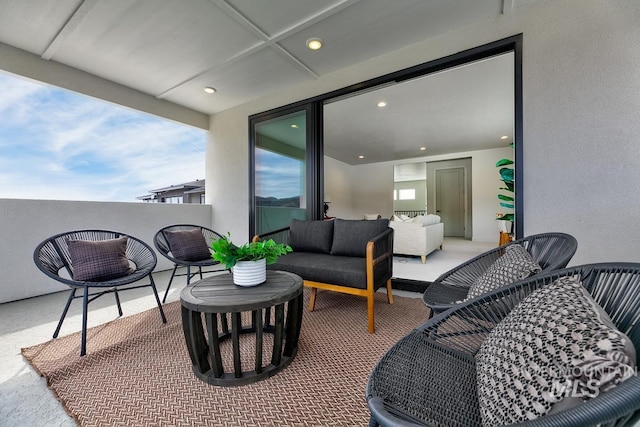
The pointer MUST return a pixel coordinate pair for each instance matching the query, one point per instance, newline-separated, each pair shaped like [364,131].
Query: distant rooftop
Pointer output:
[186,188]
[187,185]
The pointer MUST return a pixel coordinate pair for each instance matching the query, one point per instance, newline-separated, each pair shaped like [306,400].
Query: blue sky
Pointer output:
[277,175]
[57,144]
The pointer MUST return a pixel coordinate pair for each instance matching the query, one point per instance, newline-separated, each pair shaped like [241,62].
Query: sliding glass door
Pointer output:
[280,173]
[288,144]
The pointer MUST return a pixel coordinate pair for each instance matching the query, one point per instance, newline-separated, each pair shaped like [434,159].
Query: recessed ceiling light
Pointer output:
[294,126]
[382,104]
[423,148]
[504,137]
[314,43]
[209,89]
[361,157]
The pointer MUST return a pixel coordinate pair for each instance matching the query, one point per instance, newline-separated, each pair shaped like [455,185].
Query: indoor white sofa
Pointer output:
[417,236]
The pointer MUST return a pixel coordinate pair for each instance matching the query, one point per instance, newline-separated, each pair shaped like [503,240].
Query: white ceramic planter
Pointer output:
[250,273]
[504,226]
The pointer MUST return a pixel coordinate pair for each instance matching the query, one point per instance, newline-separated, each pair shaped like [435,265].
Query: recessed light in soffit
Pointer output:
[314,43]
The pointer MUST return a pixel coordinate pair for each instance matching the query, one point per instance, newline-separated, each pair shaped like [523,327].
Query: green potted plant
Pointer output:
[248,262]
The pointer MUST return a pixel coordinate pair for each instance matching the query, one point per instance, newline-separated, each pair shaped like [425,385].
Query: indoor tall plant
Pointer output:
[248,262]
[506,200]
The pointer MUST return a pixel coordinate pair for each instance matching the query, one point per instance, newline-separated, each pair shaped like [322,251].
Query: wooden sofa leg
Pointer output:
[389,292]
[423,258]
[312,299]
[370,300]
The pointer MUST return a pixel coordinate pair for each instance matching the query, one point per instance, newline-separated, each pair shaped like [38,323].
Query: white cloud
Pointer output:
[55,144]
[277,175]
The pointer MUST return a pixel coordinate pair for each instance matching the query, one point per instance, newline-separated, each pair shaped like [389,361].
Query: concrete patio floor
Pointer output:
[25,399]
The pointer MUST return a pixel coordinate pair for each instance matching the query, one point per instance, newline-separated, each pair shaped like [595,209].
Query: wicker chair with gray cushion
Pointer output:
[96,262]
[557,349]
[550,251]
[186,245]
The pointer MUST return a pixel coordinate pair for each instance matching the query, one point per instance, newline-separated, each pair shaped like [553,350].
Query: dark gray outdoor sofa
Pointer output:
[349,256]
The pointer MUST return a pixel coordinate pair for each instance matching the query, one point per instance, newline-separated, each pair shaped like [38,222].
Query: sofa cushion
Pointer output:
[514,264]
[426,220]
[418,219]
[556,349]
[97,261]
[324,268]
[188,245]
[311,236]
[431,219]
[350,237]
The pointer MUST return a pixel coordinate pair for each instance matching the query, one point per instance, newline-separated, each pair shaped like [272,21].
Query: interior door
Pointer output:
[450,200]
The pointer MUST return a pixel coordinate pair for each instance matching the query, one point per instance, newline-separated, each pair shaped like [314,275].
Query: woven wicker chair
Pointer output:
[53,259]
[551,251]
[429,376]
[162,245]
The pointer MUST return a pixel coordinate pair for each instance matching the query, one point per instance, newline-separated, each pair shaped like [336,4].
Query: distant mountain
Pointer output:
[289,202]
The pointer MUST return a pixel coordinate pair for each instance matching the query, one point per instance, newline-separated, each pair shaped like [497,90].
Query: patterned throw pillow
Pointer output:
[515,264]
[96,261]
[554,350]
[188,245]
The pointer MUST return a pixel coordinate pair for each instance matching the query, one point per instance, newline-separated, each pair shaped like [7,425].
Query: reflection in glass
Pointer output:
[280,171]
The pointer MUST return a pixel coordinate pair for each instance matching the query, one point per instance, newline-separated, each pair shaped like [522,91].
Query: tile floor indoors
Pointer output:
[26,401]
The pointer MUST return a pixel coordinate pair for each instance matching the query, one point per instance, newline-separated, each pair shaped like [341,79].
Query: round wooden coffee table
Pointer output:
[221,302]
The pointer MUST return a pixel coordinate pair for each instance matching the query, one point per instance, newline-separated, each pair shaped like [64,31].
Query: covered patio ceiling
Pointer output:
[245,49]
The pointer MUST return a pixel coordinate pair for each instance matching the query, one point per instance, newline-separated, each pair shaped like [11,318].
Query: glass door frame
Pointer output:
[314,158]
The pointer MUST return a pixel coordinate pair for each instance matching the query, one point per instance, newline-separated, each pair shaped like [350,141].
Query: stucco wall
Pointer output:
[581,72]
[26,223]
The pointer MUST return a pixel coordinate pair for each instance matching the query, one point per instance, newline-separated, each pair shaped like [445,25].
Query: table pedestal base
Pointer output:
[206,354]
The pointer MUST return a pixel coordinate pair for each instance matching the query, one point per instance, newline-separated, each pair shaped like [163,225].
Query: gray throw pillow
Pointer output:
[188,245]
[96,261]
[311,236]
[515,264]
[556,349]
[350,236]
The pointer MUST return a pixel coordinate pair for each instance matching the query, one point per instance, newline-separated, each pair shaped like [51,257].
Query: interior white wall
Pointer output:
[581,73]
[338,177]
[372,189]
[26,223]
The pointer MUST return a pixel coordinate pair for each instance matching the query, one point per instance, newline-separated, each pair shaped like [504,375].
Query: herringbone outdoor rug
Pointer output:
[137,371]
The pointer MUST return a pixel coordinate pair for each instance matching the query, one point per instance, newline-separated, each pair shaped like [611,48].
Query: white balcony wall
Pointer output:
[26,223]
